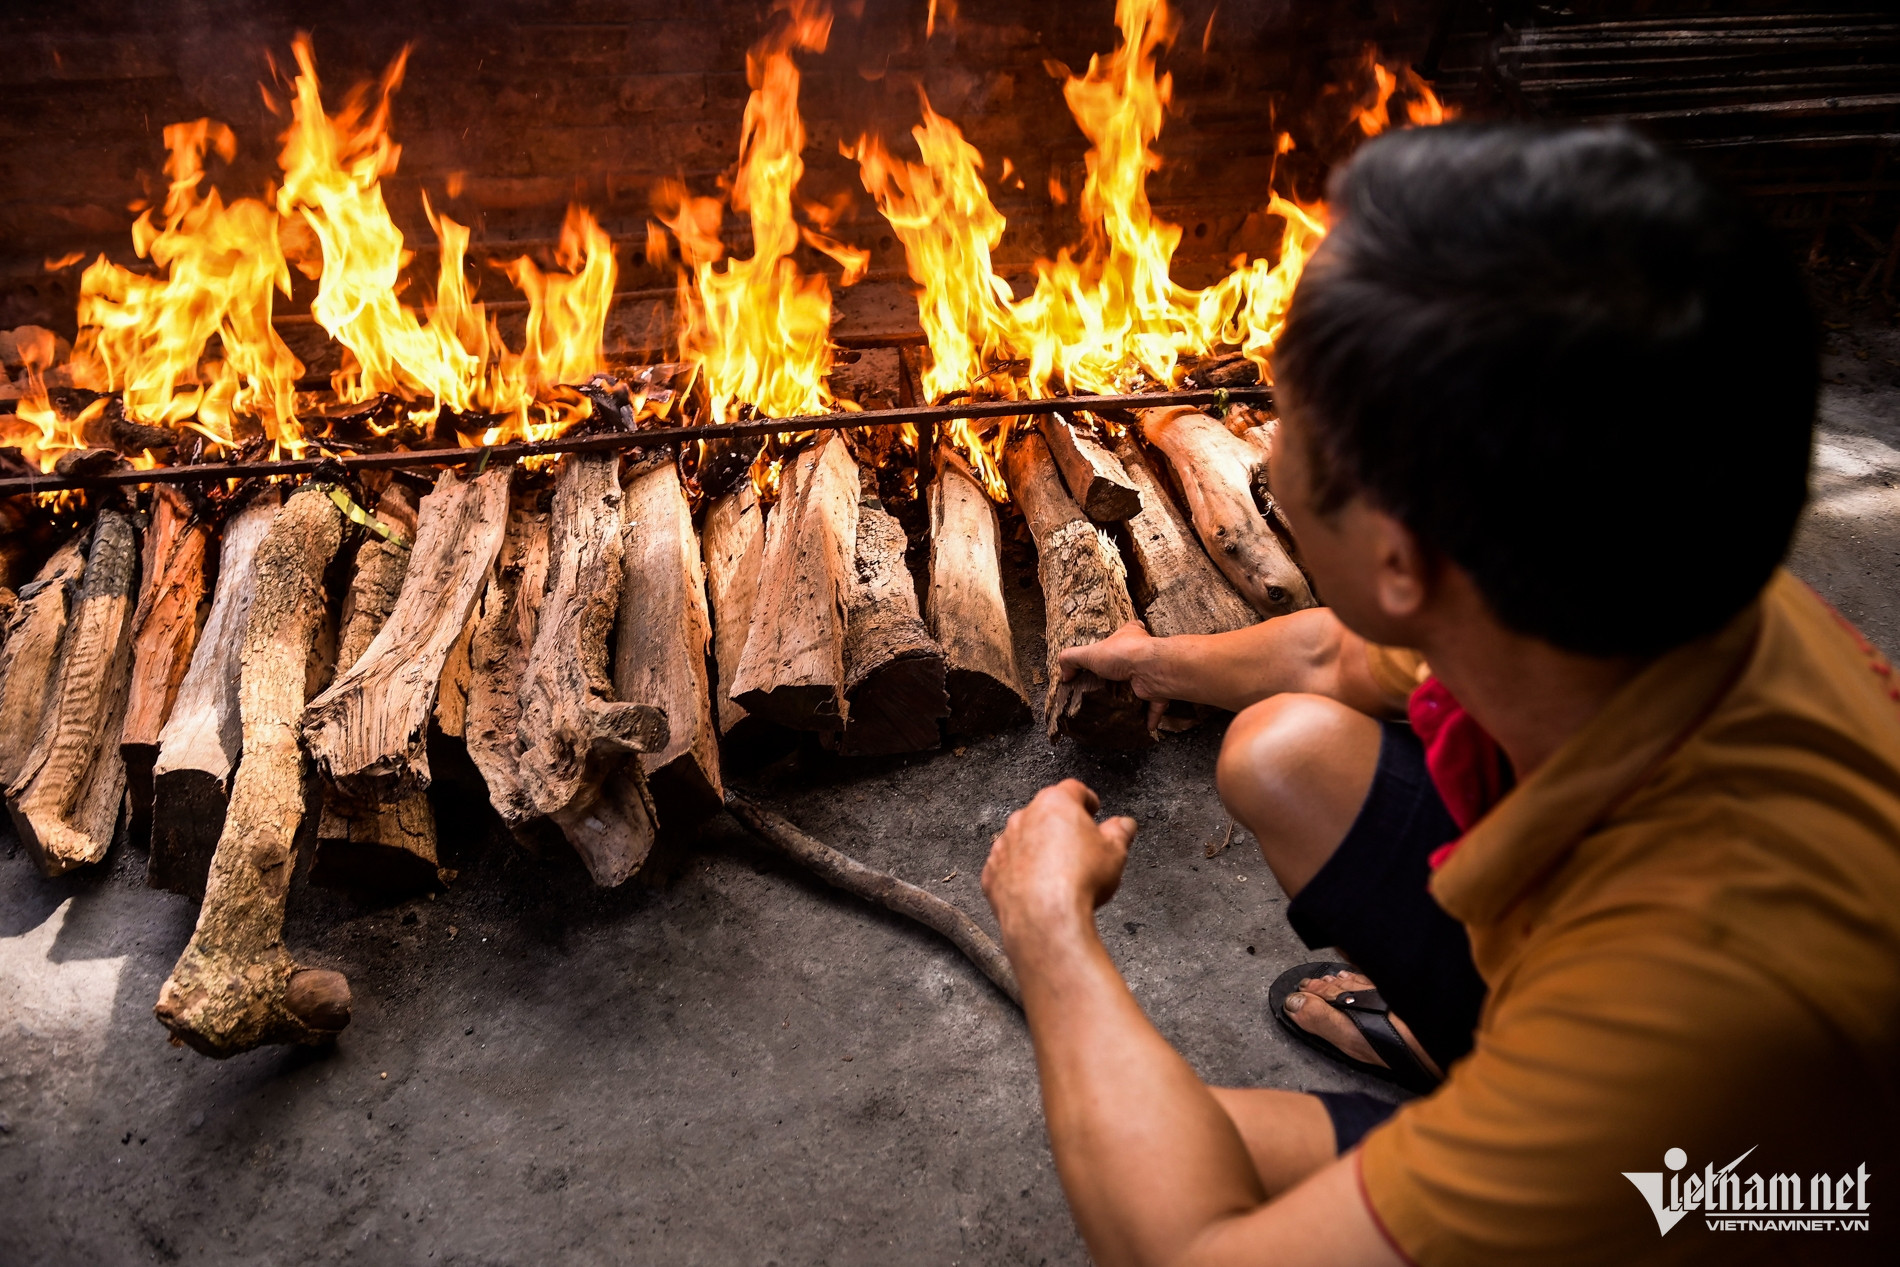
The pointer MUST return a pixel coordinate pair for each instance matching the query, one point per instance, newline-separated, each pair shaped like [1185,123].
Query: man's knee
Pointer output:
[1294,770]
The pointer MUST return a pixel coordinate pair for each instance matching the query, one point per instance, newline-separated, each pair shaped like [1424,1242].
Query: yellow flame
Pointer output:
[146,335]
[757,330]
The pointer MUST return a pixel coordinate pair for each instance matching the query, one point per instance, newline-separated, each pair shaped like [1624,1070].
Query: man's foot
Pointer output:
[1311,1009]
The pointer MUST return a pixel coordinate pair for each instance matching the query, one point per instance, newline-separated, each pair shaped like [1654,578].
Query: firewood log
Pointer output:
[792,669]
[893,668]
[29,660]
[966,604]
[173,597]
[1085,593]
[662,640]
[1261,436]
[451,693]
[201,741]
[67,799]
[733,546]
[236,986]
[375,847]
[1184,592]
[1215,471]
[1093,474]
[579,746]
[369,732]
[506,620]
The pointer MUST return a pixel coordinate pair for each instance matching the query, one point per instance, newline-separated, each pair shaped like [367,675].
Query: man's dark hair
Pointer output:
[1570,365]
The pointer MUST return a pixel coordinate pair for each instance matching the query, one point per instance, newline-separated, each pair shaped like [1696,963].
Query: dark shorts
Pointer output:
[1371,901]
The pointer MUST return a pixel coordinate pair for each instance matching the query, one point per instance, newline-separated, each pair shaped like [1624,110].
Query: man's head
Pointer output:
[1560,361]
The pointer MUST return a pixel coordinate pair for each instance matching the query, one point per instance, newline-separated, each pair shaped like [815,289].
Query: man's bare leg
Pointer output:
[1294,770]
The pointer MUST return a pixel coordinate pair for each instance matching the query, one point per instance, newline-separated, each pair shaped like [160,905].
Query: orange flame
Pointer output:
[942,213]
[333,167]
[146,335]
[1422,106]
[758,330]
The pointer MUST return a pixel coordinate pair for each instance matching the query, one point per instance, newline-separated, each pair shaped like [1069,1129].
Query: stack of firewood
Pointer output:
[206,674]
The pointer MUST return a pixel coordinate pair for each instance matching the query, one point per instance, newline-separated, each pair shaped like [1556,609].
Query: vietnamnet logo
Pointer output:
[1775,1203]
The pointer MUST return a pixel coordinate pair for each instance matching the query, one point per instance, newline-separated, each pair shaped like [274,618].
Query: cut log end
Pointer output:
[1098,714]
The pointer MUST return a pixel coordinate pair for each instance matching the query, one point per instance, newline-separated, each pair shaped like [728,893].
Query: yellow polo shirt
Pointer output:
[1689,920]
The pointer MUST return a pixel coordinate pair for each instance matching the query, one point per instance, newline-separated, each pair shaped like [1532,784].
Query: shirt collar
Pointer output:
[1529,832]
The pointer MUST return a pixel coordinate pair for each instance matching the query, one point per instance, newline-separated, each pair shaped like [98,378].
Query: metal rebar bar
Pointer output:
[482,457]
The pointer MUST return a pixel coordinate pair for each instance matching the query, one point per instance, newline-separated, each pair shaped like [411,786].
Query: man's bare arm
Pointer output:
[1154,1169]
[1309,652]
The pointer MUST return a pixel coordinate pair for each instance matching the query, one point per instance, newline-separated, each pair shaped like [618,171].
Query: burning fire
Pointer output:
[146,336]
[149,336]
[191,344]
[1109,318]
[759,330]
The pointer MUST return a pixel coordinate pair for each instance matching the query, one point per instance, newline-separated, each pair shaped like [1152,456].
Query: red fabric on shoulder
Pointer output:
[1466,764]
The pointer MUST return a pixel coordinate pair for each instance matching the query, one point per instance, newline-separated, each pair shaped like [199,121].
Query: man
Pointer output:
[1545,404]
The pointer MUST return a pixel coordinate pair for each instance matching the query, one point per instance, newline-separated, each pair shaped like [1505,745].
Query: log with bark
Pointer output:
[202,739]
[1179,588]
[893,669]
[662,640]
[1085,593]
[236,986]
[966,609]
[29,659]
[369,733]
[506,620]
[1215,469]
[792,669]
[67,798]
[579,747]
[1093,474]
[376,847]
[733,547]
[174,595]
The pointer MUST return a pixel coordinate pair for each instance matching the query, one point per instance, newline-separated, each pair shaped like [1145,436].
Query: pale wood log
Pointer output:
[733,548]
[893,669]
[174,595]
[68,798]
[966,609]
[377,848]
[1215,469]
[29,659]
[662,640]
[1085,594]
[579,746]
[1261,435]
[1093,474]
[369,732]
[506,620]
[451,695]
[792,669]
[202,739]
[1184,592]
[236,986]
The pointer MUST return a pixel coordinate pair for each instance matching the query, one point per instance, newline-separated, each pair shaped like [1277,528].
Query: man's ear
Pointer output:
[1402,567]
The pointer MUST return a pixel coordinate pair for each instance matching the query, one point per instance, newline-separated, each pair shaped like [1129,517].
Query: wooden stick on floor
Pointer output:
[882,888]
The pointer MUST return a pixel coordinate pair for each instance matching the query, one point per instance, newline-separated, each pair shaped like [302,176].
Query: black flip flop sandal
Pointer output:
[1372,1018]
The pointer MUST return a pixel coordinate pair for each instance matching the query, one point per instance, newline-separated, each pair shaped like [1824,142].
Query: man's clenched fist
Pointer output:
[1053,863]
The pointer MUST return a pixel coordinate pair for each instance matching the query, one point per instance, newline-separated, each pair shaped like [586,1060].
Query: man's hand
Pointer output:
[1052,862]
[1127,655]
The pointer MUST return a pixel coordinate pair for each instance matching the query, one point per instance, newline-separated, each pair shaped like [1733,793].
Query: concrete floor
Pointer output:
[727,1064]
